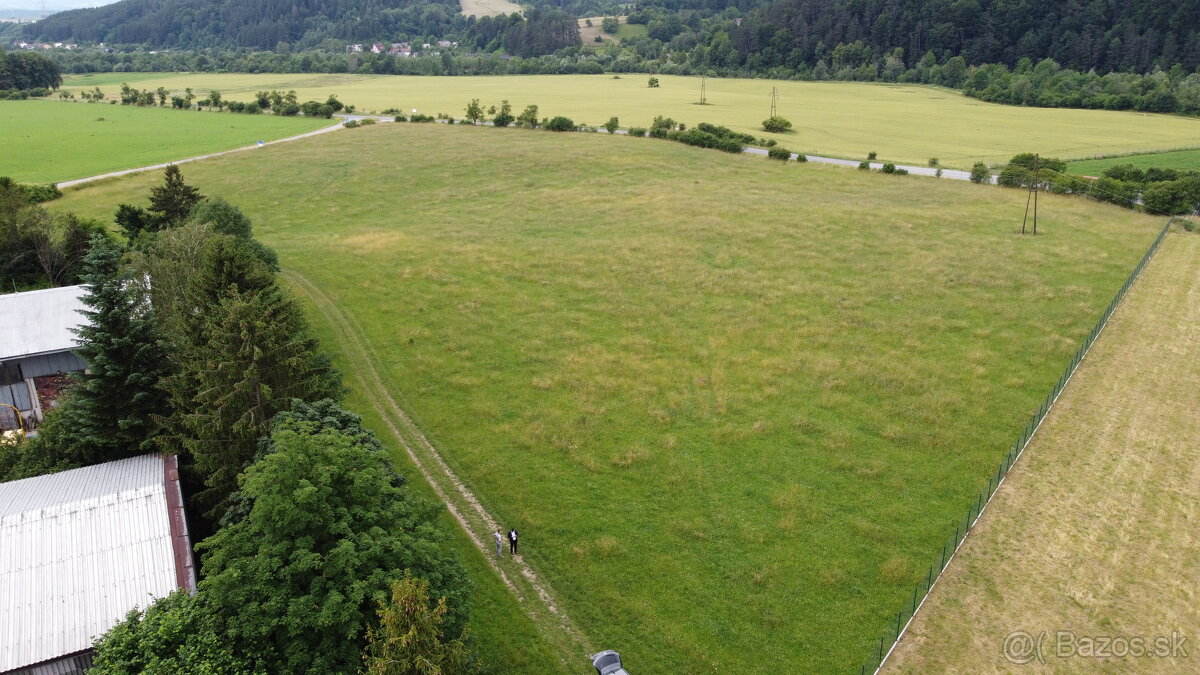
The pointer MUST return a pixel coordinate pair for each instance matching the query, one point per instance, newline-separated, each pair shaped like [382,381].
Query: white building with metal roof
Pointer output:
[36,339]
[78,550]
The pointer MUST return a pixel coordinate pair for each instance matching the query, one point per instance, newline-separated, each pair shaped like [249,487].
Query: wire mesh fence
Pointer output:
[888,640]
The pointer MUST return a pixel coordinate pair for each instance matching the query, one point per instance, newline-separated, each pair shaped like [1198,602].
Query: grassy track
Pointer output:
[461,503]
[1180,159]
[51,141]
[733,405]
[1095,531]
[906,124]
[500,626]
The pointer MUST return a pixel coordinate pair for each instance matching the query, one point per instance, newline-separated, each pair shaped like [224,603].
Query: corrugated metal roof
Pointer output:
[79,549]
[37,322]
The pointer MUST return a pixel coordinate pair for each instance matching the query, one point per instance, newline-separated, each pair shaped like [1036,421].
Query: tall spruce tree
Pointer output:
[258,357]
[110,410]
[172,201]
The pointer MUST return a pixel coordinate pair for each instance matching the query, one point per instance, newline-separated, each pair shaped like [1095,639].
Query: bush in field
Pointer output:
[505,116]
[780,153]
[637,131]
[560,123]
[609,25]
[704,139]
[1030,161]
[776,124]
[864,165]
[980,173]
[1016,176]
[800,157]
[474,111]
[529,117]
[871,156]
[41,193]
[724,132]
[888,168]
[1176,197]
[612,125]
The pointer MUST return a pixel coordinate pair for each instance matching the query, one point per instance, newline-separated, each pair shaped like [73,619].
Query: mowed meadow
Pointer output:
[734,406]
[52,141]
[902,123]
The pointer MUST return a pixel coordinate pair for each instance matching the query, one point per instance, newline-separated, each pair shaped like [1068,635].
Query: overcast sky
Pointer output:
[51,5]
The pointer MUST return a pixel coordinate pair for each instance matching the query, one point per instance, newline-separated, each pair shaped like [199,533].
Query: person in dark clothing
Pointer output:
[512,541]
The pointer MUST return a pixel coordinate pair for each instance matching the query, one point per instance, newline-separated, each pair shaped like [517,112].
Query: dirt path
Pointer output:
[1094,534]
[479,525]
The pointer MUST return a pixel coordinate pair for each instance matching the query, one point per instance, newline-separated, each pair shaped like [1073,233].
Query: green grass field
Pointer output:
[52,141]
[1180,159]
[902,123]
[734,406]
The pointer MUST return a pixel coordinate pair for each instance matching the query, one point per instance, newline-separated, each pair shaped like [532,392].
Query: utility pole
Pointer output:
[773,96]
[1033,190]
[703,80]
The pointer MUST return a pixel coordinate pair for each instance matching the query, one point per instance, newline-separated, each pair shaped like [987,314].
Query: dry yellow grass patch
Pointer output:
[1094,534]
[482,8]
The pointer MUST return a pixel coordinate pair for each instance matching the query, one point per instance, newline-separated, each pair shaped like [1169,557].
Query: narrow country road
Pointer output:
[89,179]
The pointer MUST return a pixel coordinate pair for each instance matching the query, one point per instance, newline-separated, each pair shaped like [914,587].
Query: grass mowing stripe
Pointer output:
[460,502]
[1110,482]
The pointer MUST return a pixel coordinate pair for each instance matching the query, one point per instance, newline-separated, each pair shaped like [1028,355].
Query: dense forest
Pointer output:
[1082,35]
[302,24]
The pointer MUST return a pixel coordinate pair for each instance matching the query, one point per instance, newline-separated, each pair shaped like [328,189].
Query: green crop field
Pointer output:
[734,406]
[1179,159]
[902,123]
[52,141]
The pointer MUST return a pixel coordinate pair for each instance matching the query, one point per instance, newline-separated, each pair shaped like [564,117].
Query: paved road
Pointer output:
[952,174]
[89,179]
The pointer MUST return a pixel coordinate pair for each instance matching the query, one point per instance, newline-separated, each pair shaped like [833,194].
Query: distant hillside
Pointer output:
[262,24]
[1131,35]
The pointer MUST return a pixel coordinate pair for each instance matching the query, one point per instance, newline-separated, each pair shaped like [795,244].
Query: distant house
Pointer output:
[354,48]
[378,48]
[36,339]
[80,549]
[443,43]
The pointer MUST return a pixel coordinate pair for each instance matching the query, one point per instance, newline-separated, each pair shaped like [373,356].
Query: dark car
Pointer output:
[608,662]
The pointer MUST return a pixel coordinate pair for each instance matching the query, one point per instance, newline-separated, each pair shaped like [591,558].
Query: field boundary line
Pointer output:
[977,508]
[152,167]
[478,524]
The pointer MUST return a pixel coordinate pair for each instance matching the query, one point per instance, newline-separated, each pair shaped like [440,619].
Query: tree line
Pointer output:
[28,70]
[309,535]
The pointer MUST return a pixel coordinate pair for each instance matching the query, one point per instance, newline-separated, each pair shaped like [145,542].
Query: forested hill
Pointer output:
[1105,35]
[263,24]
